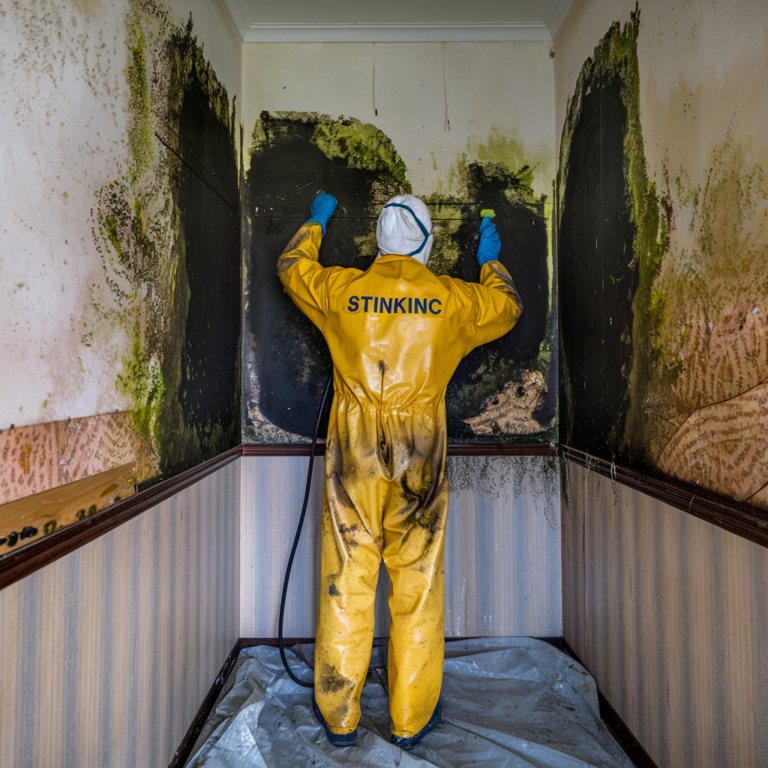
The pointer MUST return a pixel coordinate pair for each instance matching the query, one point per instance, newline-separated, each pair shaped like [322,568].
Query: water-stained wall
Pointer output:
[663,239]
[121,252]
[463,126]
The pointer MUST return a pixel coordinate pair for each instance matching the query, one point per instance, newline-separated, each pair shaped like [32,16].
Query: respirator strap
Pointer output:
[416,219]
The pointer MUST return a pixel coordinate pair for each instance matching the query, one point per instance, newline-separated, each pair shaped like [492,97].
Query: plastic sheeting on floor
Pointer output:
[506,702]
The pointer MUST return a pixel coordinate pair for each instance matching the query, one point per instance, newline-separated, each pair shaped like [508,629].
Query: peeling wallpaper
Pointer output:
[689,354]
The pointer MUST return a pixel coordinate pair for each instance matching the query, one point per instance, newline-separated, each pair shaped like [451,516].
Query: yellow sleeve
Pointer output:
[304,279]
[494,306]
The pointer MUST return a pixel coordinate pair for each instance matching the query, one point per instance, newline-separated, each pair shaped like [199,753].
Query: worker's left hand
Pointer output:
[322,209]
[490,243]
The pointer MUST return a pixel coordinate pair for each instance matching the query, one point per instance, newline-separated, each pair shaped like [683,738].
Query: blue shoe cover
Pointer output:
[337,739]
[413,741]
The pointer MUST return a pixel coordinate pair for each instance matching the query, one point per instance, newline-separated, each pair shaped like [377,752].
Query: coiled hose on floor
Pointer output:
[298,536]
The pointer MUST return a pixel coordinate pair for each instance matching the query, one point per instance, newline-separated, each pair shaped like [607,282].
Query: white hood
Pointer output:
[398,232]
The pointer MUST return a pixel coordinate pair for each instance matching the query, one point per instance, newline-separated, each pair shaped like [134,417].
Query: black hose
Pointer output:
[296,540]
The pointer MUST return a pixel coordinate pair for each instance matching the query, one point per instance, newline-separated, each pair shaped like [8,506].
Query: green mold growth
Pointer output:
[142,381]
[615,58]
[139,233]
[189,69]
[500,148]
[363,146]
[446,249]
[528,256]
[141,141]
[360,145]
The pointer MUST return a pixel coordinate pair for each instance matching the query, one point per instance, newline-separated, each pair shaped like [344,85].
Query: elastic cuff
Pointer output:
[341,731]
[315,221]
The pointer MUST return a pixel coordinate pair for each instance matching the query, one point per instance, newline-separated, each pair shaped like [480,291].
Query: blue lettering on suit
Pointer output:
[381,305]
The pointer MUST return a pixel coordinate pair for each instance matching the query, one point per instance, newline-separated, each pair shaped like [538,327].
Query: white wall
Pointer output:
[63,136]
[500,100]
[702,71]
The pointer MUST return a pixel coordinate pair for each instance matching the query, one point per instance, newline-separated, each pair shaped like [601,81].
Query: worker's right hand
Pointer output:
[322,209]
[490,243]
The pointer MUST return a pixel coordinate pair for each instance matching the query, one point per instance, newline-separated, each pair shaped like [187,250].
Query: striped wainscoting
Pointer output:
[502,547]
[107,653]
[670,615]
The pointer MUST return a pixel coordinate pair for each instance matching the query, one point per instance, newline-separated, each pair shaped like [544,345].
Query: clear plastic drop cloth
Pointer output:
[506,702]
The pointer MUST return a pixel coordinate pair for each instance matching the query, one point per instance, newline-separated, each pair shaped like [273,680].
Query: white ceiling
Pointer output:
[397,20]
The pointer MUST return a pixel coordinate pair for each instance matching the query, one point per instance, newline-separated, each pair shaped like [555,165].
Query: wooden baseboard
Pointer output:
[613,722]
[454,449]
[184,752]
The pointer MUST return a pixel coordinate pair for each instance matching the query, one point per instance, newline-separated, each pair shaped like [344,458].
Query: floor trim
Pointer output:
[618,728]
[613,722]
[184,752]
[745,521]
[454,449]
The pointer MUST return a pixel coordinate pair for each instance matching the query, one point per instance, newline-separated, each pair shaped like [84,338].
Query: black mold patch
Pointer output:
[210,358]
[596,275]
[203,420]
[287,353]
[522,227]
[286,360]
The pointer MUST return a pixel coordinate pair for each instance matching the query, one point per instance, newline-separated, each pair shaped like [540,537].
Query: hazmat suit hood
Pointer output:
[404,228]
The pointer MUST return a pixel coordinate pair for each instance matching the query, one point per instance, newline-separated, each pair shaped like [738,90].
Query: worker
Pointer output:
[396,334]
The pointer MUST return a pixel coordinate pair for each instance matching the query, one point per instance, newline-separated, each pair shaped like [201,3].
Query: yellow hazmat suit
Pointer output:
[396,333]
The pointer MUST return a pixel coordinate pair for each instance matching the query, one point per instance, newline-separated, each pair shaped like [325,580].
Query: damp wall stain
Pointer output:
[168,234]
[210,359]
[686,371]
[597,274]
[521,220]
[608,313]
[286,362]
[293,157]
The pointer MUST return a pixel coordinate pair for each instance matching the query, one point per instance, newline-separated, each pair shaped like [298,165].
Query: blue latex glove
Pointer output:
[490,243]
[322,209]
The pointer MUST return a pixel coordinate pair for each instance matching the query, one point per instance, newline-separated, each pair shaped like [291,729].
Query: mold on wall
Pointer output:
[168,233]
[678,387]
[161,312]
[502,391]
[292,157]
[607,243]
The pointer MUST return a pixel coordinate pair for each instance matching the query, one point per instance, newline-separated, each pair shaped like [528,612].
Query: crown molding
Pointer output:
[395,33]
[557,16]
[240,16]
[338,32]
